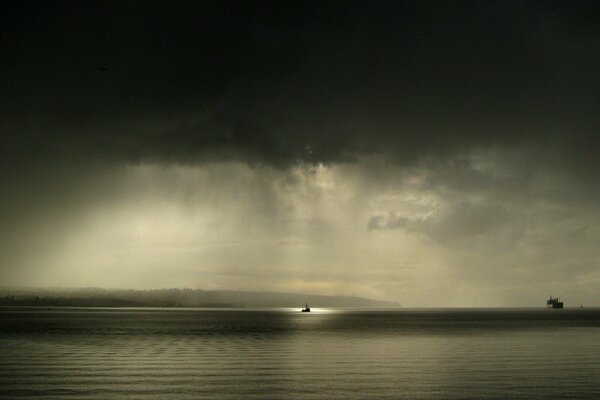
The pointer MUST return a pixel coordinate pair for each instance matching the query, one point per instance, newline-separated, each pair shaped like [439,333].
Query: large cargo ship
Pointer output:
[554,303]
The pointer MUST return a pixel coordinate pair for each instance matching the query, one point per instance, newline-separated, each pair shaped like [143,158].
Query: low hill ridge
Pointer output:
[99,297]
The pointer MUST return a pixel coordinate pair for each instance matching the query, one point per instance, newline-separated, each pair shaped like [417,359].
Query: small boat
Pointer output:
[306,308]
[554,303]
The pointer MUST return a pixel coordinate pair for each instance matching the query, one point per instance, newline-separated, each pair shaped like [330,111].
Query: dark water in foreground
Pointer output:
[285,354]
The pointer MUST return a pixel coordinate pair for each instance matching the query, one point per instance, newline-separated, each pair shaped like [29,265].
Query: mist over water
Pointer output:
[282,353]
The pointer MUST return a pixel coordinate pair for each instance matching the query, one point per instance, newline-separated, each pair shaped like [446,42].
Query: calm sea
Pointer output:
[285,354]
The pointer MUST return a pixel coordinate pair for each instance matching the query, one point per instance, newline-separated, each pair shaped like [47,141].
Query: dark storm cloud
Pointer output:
[174,143]
[283,82]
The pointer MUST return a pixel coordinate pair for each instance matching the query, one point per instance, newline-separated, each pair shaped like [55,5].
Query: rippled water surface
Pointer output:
[285,354]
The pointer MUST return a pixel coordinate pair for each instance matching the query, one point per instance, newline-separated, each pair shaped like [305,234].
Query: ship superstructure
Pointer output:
[554,303]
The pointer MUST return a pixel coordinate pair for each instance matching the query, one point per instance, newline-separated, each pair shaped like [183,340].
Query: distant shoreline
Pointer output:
[175,298]
[98,303]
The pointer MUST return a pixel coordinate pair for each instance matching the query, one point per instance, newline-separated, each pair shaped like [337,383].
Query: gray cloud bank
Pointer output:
[463,220]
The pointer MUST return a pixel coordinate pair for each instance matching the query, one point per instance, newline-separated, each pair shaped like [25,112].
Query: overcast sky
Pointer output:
[430,153]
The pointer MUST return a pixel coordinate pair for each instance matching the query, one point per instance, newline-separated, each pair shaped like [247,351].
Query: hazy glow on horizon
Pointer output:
[324,230]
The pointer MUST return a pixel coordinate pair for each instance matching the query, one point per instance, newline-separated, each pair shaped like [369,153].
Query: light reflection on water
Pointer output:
[283,353]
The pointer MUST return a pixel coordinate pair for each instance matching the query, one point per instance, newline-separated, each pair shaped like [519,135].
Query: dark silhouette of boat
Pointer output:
[554,303]
[306,309]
